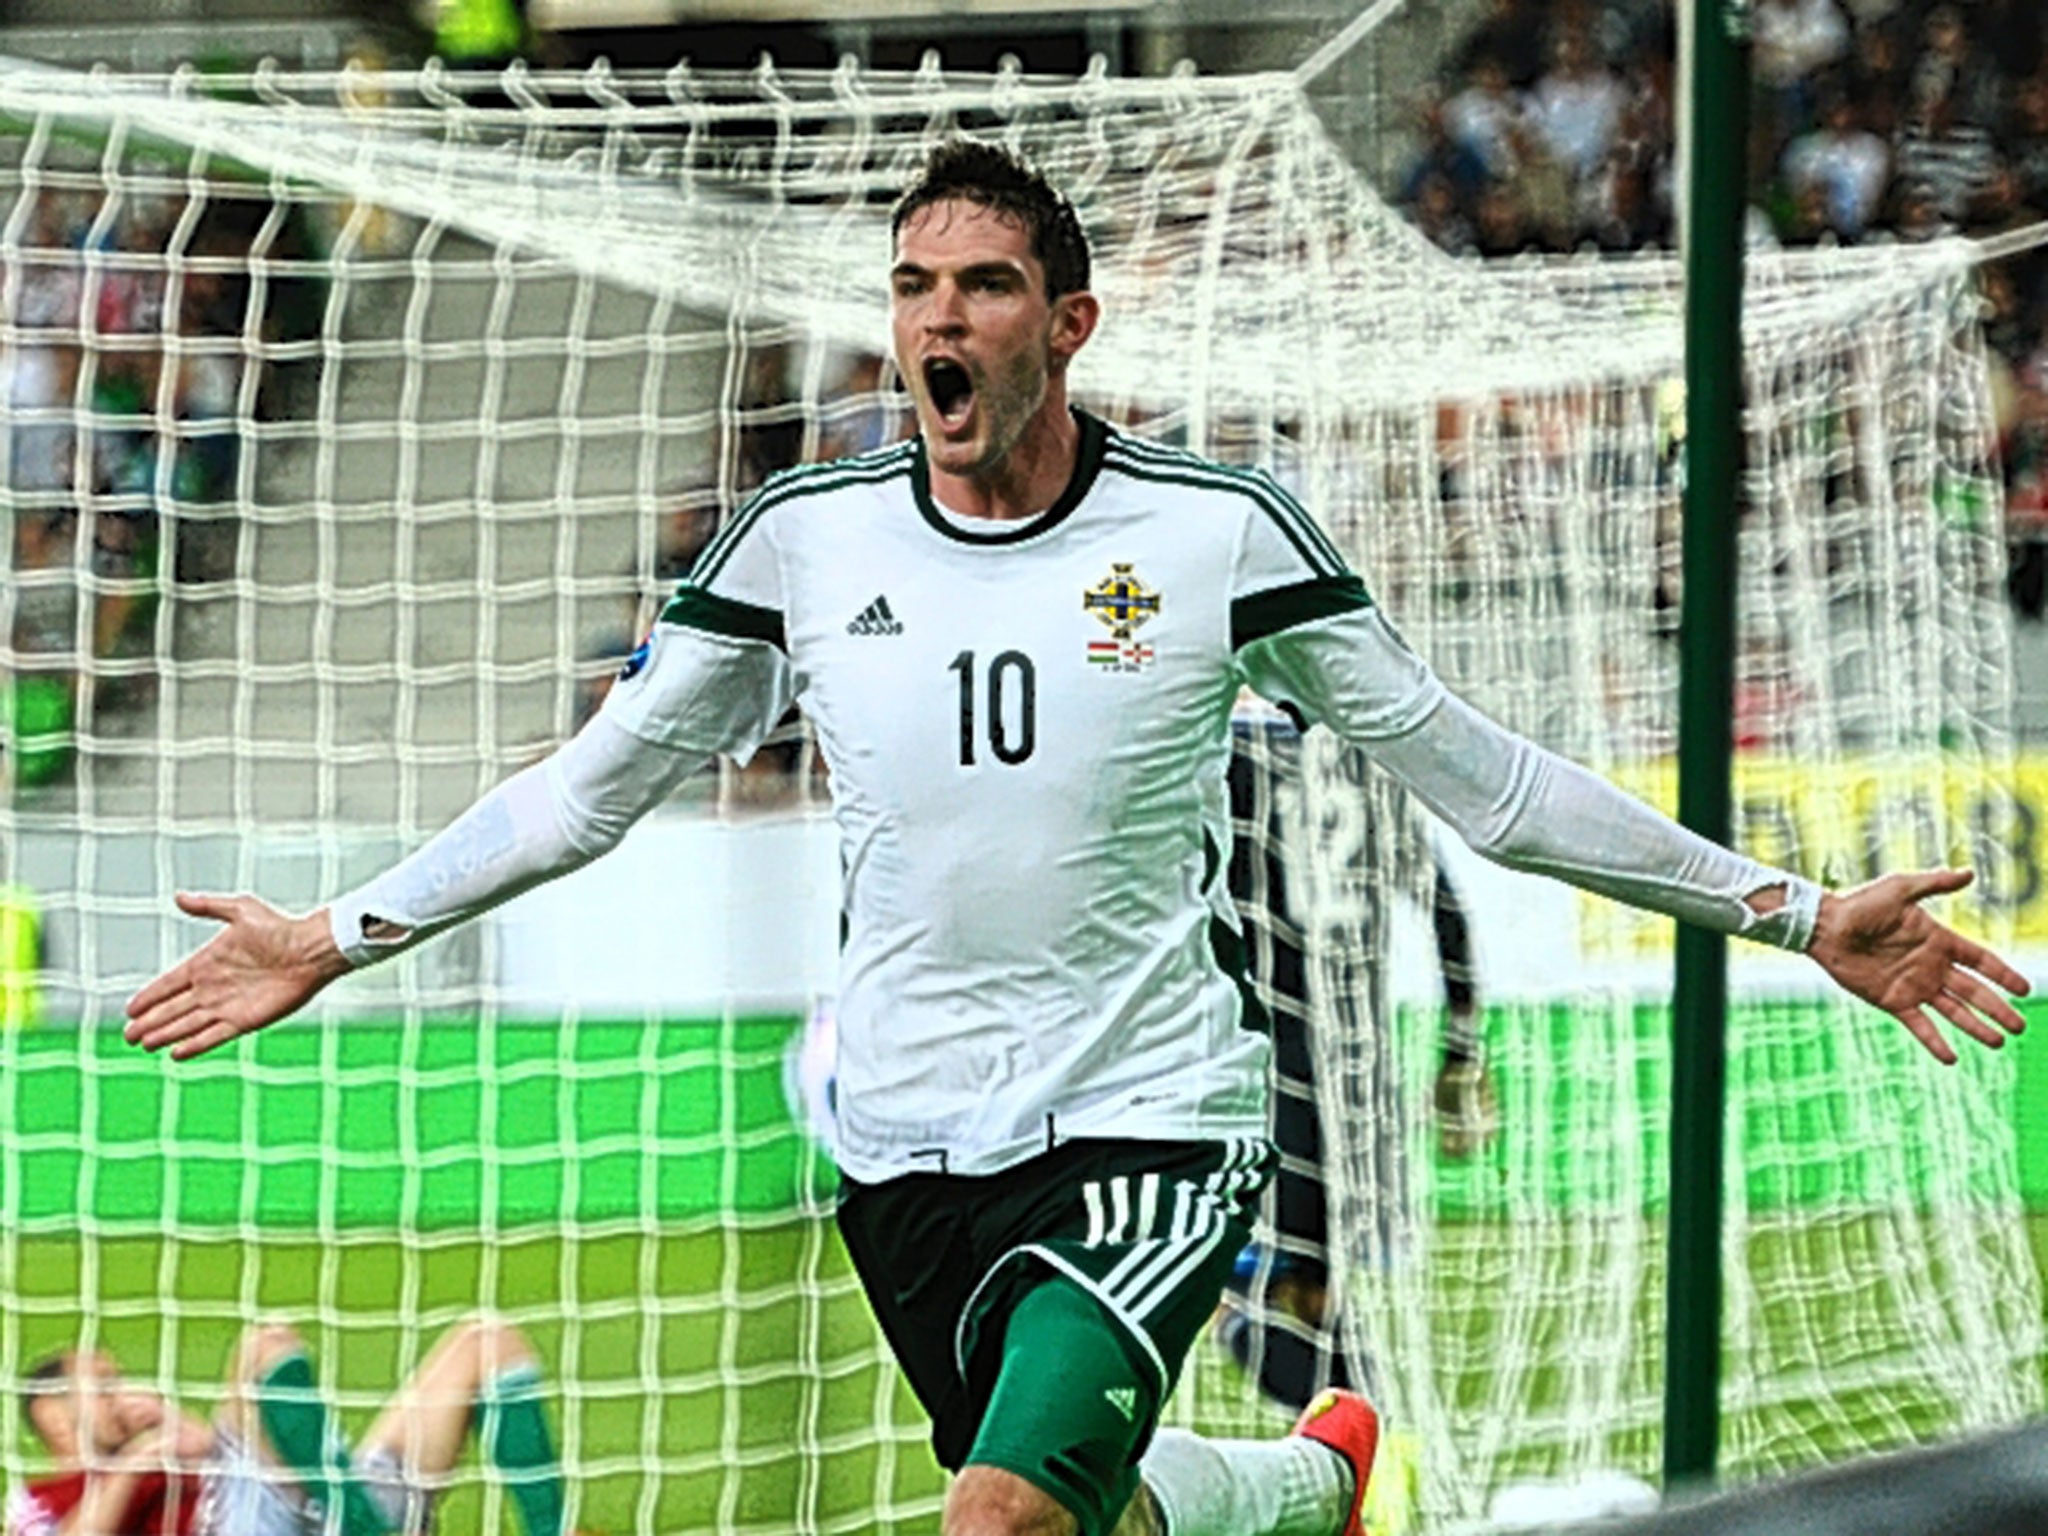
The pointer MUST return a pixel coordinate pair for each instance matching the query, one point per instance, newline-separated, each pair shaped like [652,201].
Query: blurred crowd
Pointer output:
[1871,120]
[98,390]
[127,331]
[123,364]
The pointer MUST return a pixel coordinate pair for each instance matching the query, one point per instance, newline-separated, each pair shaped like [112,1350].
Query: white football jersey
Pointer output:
[1027,726]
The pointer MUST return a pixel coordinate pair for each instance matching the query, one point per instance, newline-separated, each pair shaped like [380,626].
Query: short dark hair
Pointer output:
[1006,183]
[49,1377]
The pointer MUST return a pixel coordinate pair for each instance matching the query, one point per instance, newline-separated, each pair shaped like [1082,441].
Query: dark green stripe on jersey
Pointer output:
[694,608]
[1303,602]
[1295,525]
[790,485]
[1171,466]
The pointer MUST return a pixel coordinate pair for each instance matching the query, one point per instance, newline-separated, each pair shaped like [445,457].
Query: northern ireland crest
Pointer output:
[1121,601]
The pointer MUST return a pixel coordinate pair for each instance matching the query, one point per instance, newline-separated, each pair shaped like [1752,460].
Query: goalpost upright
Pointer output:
[1714,161]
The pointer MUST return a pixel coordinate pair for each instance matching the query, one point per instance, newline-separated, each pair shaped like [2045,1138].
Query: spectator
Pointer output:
[207,397]
[1944,145]
[2007,328]
[1845,164]
[1803,217]
[123,509]
[1636,29]
[771,430]
[1795,40]
[1874,77]
[1766,700]
[1920,217]
[52,276]
[1626,206]
[1512,36]
[2026,140]
[1500,224]
[1485,120]
[39,380]
[1443,156]
[1575,109]
[1953,83]
[1865,15]
[100,393]
[1622,209]
[1999,206]
[1439,215]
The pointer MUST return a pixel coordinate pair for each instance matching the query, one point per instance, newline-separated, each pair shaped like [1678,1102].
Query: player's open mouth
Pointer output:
[952,390]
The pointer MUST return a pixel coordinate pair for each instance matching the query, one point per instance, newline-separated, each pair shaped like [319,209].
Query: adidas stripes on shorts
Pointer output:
[1042,1313]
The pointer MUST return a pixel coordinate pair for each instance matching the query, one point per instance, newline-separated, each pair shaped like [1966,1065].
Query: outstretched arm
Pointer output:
[265,965]
[698,694]
[1530,809]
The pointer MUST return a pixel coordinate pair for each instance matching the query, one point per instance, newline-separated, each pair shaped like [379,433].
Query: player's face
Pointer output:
[977,340]
[99,1412]
[110,1411]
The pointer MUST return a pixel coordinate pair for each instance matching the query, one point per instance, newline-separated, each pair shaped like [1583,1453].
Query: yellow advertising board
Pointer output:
[1851,819]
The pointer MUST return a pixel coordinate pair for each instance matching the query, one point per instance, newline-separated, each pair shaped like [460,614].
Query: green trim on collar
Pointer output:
[1087,464]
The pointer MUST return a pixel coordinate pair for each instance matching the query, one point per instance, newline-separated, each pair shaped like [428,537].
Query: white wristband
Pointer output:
[1791,924]
[347,917]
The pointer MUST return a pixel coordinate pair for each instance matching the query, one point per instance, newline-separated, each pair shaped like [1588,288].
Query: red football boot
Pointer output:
[1347,1424]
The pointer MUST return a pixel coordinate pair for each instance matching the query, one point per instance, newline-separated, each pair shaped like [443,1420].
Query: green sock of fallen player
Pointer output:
[514,1432]
[303,1433]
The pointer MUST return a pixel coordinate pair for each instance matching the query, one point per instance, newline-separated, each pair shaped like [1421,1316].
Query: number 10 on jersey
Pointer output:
[1010,672]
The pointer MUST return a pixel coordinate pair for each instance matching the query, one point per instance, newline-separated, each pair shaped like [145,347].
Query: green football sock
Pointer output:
[514,1432]
[303,1434]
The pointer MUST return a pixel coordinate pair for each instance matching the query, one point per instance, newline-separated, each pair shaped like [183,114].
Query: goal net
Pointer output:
[357,422]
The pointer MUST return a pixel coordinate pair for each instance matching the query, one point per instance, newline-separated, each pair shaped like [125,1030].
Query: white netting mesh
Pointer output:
[374,410]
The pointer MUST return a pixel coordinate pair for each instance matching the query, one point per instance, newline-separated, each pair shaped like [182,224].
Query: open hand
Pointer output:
[261,967]
[1878,942]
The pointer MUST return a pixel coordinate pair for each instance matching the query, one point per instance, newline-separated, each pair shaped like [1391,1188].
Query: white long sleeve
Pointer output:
[687,696]
[542,822]
[1509,799]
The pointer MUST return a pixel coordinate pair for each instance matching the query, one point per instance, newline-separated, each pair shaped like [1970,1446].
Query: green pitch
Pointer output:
[625,1226]
[752,1437]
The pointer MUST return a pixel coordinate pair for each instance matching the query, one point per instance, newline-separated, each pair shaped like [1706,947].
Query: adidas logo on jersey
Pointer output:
[1123,1399]
[876,619]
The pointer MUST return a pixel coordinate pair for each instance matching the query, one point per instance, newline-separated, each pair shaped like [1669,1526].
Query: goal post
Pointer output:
[357,421]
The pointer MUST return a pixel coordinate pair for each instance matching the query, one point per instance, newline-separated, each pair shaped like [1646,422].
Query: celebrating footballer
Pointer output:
[1018,637]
